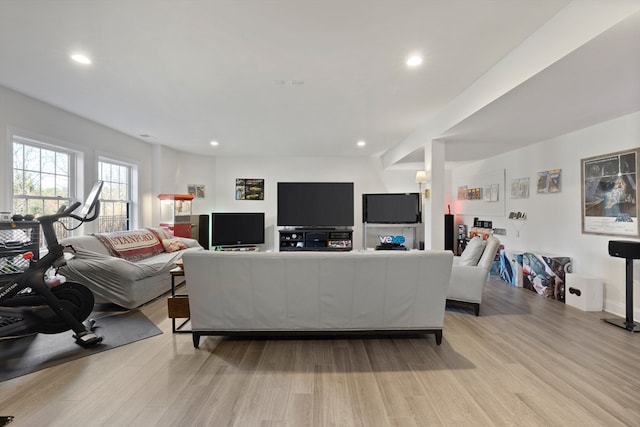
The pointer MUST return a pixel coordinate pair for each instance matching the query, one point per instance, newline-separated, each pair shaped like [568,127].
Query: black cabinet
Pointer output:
[200,230]
[316,240]
[17,239]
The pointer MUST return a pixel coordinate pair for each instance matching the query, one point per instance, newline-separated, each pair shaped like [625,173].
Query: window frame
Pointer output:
[132,171]
[71,176]
[75,158]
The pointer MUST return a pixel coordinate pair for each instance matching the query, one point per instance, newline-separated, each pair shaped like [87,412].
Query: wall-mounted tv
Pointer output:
[237,228]
[391,208]
[315,204]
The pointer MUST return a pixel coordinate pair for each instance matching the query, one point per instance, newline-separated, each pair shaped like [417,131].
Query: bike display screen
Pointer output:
[94,194]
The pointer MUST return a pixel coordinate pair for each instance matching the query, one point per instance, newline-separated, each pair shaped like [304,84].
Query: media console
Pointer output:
[316,239]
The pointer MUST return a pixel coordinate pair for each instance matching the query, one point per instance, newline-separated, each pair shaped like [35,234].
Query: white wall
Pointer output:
[175,170]
[35,119]
[165,170]
[553,223]
[365,172]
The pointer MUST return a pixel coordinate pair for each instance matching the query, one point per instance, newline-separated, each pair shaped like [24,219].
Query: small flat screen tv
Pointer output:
[237,228]
[391,208]
[315,204]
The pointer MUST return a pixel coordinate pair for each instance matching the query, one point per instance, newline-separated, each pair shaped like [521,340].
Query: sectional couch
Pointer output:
[254,293]
[127,268]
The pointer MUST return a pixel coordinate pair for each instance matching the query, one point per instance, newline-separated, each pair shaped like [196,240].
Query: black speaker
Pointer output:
[624,249]
[629,250]
[200,229]
[448,232]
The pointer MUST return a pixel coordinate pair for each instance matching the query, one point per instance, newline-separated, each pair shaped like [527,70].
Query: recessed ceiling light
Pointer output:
[214,143]
[82,59]
[361,143]
[414,61]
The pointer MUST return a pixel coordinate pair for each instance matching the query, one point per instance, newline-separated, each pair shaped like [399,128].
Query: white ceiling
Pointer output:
[596,82]
[306,77]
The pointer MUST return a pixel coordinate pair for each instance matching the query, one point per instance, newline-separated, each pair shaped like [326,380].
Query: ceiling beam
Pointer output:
[576,24]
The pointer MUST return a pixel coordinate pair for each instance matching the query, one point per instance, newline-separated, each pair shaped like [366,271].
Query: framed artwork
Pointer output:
[196,190]
[555,180]
[249,189]
[549,181]
[462,192]
[520,188]
[543,181]
[610,194]
[490,192]
[486,193]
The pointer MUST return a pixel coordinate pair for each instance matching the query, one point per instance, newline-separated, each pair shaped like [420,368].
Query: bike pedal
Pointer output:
[88,340]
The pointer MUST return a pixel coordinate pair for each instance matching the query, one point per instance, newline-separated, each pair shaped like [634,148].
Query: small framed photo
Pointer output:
[249,189]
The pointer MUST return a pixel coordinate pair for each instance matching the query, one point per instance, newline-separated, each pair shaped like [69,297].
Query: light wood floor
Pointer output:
[526,361]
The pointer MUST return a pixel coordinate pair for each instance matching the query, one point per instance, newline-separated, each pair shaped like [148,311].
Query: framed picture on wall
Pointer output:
[610,194]
[520,188]
[249,189]
[555,181]
[196,190]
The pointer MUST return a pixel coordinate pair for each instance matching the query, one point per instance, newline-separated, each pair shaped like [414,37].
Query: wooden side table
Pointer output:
[178,304]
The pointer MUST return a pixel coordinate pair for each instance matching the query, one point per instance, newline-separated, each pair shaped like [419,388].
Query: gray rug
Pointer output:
[22,356]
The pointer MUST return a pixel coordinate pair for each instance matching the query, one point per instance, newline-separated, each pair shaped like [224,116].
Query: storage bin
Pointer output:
[583,292]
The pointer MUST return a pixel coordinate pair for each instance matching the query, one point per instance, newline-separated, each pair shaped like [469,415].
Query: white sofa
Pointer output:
[470,271]
[130,282]
[253,293]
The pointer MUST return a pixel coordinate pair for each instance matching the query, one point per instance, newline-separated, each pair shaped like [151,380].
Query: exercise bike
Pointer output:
[29,306]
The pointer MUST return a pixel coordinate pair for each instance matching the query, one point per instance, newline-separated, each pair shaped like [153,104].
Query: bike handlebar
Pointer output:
[68,212]
[56,216]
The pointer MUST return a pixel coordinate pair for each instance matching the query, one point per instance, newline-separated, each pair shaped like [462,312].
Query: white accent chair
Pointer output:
[470,271]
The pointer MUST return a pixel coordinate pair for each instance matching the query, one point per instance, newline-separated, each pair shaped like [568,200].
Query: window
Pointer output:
[115,198]
[42,177]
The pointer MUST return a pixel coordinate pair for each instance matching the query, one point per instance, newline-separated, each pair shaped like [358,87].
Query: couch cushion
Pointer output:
[132,245]
[472,252]
[489,254]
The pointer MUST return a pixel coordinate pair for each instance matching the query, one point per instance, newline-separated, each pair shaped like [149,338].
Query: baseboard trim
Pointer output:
[620,309]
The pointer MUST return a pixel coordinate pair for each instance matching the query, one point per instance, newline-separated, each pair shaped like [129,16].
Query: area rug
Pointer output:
[29,354]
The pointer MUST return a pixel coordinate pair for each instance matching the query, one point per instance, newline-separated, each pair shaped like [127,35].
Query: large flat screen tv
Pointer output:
[391,208]
[315,204]
[237,228]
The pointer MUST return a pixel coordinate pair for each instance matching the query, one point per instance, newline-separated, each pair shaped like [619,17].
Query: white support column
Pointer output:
[433,214]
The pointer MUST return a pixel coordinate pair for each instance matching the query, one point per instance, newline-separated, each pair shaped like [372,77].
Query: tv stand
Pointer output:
[410,226]
[316,239]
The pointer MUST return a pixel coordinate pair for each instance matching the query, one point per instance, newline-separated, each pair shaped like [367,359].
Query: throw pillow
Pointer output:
[173,245]
[472,253]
